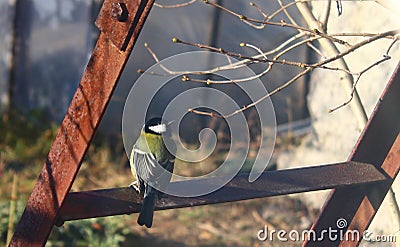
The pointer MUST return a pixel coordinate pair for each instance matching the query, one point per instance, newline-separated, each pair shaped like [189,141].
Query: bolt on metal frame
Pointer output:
[359,185]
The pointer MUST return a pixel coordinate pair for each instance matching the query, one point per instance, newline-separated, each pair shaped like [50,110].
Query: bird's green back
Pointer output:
[152,143]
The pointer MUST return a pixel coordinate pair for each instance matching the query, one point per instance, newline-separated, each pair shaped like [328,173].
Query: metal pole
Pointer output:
[379,144]
[108,59]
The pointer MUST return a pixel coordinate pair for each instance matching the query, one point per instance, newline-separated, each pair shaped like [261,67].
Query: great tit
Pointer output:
[152,164]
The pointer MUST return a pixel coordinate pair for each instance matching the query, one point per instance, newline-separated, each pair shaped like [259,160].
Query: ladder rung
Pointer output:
[117,201]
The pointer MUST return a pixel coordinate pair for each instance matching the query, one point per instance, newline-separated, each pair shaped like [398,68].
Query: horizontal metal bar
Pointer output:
[117,201]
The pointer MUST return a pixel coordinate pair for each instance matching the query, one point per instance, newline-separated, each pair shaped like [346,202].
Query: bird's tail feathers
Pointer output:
[147,210]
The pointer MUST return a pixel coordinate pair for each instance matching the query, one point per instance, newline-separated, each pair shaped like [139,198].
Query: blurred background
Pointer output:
[44,48]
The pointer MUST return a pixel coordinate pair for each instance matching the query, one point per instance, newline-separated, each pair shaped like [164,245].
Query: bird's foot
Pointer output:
[135,185]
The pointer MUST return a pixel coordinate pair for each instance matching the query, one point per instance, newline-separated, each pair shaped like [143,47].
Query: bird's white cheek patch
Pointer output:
[161,128]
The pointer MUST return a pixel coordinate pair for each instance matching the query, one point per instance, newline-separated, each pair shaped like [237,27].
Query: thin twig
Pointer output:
[282,23]
[285,85]
[339,7]
[180,5]
[261,26]
[284,8]
[316,50]
[385,58]
[353,90]
[246,79]
[259,9]
[360,44]
[325,18]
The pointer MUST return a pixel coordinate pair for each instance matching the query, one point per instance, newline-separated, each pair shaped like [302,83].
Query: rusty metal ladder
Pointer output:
[359,185]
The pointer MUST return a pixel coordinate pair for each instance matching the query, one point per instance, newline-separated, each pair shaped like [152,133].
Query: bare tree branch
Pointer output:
[316,31]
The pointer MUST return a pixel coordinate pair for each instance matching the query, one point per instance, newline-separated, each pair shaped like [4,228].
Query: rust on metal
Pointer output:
[379,144]
[79,124]
[371,202]
[119,12]
[97,203]
[118,18]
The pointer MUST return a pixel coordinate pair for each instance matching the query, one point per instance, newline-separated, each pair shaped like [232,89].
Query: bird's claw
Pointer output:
[135,185]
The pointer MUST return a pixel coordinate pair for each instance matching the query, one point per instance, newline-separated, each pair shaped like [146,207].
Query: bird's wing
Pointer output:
[150,171]
[169,166]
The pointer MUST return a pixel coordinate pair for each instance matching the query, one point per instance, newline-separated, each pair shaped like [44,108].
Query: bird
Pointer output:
[152,164]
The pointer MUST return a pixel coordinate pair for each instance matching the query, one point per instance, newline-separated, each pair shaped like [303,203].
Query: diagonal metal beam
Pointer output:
[379,144]
[98,203]
[120,22]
